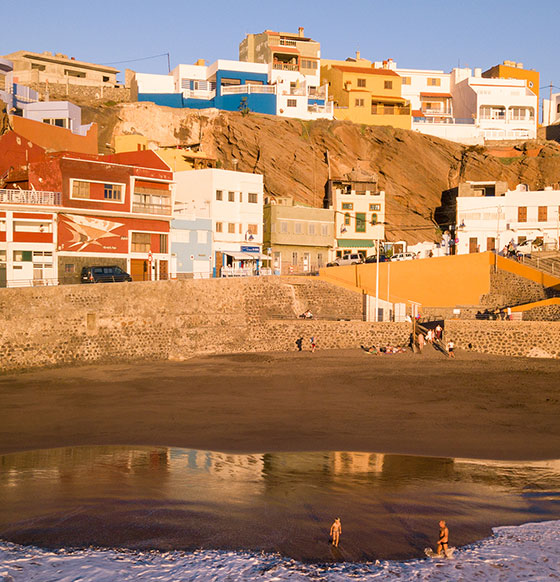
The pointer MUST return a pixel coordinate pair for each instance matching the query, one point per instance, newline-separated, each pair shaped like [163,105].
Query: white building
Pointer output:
[551,109]
[235,205]
[359,214]
[486,223]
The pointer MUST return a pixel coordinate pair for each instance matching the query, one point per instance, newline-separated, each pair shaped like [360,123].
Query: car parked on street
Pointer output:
[373,258]
[104,274]
[348,259]
[403,257]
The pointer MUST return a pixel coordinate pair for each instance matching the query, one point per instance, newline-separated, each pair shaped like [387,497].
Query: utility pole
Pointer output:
[168,63]
[550,105]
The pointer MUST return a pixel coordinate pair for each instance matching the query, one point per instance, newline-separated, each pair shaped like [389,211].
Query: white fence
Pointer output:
[35,197]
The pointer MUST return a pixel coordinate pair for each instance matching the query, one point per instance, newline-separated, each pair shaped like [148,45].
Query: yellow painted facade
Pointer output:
[509,72]
[130,143]
[366,95]
[436,282]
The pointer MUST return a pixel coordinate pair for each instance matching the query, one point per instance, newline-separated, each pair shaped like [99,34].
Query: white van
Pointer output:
[349,259]
[403,257]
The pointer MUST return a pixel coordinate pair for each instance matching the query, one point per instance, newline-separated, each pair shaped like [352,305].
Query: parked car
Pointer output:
[349,259]
[104,274]
[373,258]
[403,257]
[526,247]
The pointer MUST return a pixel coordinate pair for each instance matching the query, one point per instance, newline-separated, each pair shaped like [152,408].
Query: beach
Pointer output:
[475,406]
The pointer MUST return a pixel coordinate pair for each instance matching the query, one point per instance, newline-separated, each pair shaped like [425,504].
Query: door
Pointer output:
[490,243]
[139,270]
[473,245]
[2,275]
[163,271]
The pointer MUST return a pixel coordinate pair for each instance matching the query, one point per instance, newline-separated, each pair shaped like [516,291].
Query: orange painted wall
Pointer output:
[436,282]
[55,138]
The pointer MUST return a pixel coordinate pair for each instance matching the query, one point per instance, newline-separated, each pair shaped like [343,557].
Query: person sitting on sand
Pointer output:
[336,530]
[443,541]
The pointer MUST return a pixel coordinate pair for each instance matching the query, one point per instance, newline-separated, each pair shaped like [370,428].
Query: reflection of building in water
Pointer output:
[224,465]
[345,463]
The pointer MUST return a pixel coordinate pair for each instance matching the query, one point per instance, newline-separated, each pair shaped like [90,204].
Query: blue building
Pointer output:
[191,247]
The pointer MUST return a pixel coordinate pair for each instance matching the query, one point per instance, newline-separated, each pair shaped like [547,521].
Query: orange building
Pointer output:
[513,70]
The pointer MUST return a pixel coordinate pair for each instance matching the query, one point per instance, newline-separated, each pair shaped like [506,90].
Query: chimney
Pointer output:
[357,55]
[200,63]
[300,30]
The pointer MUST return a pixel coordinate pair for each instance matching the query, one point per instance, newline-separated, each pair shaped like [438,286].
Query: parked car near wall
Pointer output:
[104,274]
[373,258]
[349,259]
[403,257]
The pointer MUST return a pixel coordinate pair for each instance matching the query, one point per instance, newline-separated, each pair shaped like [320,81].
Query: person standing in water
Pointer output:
[443,541]
[336,530]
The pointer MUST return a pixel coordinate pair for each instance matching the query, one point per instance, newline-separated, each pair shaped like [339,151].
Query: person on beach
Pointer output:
[451,348]
[313,343]
[443,541]
[439,329]
[336,530]
[299,343]
[421,342]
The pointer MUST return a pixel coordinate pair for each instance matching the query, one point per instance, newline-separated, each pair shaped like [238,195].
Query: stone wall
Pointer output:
[507,338]
[508,289]
[82,94]
[52,326]
[543,313]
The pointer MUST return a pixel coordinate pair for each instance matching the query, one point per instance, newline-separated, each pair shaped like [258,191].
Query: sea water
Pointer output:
[154,513]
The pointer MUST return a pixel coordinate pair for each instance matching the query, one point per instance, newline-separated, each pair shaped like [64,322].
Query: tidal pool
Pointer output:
[170,498]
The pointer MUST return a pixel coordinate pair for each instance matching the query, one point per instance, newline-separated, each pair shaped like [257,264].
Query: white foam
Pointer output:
[513,553]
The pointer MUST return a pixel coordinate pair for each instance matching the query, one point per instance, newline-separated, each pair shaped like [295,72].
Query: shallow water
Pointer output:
[168,499]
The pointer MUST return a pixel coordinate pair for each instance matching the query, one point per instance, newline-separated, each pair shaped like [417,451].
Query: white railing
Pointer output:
[324,109]
[315,93]
[300,92]
[241,89]
[35,197]
[446,121]
[234,272]
[198,94]
[436,112]
[287,42]
[161,209]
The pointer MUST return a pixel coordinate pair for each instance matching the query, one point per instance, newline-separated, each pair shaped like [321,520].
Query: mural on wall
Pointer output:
[76,232]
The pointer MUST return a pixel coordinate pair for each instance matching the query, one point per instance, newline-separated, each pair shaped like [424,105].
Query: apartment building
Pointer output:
[299,238]
[234,203]
[489,218]
[514,70]
[364,93]
[359,215]
[551,109]
[63,211]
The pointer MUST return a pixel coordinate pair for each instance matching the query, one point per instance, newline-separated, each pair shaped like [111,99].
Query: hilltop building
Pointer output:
[300,238]
[551,109]
[514,70]
[366,93]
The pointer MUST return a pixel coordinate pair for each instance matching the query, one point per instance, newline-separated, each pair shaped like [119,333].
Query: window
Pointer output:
[297,228]
[162,243]
[361,82]
[252,229]
[73,73]
[347,206]
[311,228]
[522,214]
[59,122]
[360,221]
[80,189]
[543,213]
[231,196]
[294,259]
[240,196]
[388,84]
[521,239]
[324,230]
[37,67]
[23,256]
[292,102]
[141,242]
[490,243]
[284,227]
[219,195]
[151,199]
[406,81]
[253,197]
[69,268]
[105,79]
[112,192]
[308,64]
[376,207]
[434,82]
[219,227]
[231,227]
[320,263]
[359,102]
[373,219]
[228,82]
[240,228]
[347,218]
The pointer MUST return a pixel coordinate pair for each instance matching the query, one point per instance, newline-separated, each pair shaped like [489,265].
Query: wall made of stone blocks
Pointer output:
[508,289]
[81,93]
[506,338]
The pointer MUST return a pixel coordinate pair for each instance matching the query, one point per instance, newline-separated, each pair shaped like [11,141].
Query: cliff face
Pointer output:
[296,157]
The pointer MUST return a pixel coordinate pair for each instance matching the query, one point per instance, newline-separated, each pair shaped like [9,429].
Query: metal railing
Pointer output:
[160,209]
[34,197]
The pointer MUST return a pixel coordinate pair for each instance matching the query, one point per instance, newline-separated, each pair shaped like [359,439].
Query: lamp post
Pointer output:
[377,283]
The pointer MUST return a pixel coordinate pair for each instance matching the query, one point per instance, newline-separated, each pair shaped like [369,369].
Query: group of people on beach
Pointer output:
[442,543]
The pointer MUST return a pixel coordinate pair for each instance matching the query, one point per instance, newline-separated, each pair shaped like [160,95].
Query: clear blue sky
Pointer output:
[435,34]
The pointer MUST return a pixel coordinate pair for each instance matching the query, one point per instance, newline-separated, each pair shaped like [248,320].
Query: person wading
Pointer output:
[336,530]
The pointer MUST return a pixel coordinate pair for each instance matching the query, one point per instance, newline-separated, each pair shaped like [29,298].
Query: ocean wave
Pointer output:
[512,553]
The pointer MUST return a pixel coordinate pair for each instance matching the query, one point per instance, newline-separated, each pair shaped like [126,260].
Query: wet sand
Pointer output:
[475,406]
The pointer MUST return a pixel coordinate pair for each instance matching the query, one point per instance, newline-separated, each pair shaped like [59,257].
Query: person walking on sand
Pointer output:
[443,541]
[313,343]
[299,343]
[336,530]
[439,329]
[451,348]
[421,342]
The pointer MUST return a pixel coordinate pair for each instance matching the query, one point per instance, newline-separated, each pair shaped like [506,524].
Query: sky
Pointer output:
[429,34]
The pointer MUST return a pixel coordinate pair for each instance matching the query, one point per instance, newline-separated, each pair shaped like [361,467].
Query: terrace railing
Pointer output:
[31,197]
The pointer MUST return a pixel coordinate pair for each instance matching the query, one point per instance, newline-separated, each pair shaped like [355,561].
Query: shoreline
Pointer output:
[476,406]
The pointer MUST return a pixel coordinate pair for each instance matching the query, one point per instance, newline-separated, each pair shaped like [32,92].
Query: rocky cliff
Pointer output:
[296,157]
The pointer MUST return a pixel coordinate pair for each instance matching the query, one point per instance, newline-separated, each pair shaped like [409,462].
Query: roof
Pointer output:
[365,70]
[59,58]
[351,243]
[388,98]
[448,95]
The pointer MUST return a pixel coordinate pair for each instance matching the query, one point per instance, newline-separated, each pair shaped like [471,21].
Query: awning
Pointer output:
[436,95]
[241,256]
[354,243]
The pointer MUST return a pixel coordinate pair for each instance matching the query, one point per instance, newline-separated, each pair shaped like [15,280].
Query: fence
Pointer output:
[35,197]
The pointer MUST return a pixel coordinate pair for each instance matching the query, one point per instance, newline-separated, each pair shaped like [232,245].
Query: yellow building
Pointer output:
[513,70]
[365,94]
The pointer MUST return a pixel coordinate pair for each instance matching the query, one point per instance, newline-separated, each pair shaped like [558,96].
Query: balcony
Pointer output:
[285,67]
[242,89]
[326,109]
[287,42]
[198,94]
[31,197]
[160,209]
[389,110]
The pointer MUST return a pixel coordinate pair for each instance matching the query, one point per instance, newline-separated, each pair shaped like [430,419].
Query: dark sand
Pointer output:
[475,406]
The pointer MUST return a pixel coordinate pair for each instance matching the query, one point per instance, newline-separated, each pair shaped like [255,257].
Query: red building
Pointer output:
[62,211]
